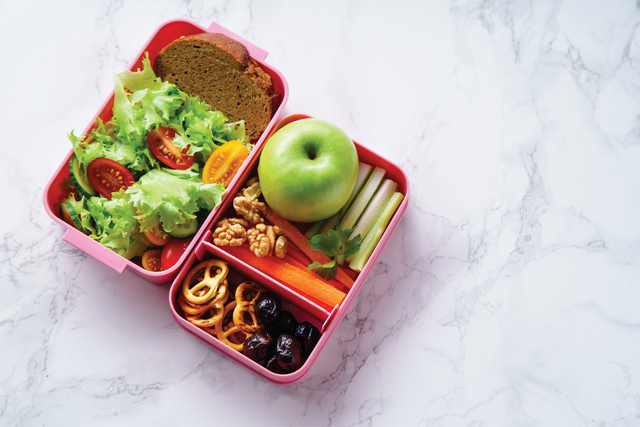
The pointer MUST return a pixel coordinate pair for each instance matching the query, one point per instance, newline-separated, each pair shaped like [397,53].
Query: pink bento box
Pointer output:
[304,309]
[164,35]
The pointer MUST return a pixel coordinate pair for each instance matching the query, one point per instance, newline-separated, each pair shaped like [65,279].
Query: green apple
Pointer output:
[307,170]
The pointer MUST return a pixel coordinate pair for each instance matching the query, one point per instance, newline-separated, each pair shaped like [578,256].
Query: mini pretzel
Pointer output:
[244,314]
[208,318]
[218,300]
[199,286]
[226,330]
[206,315]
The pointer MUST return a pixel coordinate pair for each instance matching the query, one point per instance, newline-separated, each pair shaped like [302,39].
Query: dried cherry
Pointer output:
[268,307]
[308,336]
[286,324]
[288,352]
[274,366]
[258,346]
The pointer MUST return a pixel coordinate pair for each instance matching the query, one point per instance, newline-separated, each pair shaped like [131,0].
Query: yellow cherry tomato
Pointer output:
[224,163]
[151,260]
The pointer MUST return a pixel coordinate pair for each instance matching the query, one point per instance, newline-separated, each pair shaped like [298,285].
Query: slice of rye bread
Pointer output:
[220,71]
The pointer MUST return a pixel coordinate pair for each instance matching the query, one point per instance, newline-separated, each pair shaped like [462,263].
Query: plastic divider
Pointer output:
[285,292]
[327,322]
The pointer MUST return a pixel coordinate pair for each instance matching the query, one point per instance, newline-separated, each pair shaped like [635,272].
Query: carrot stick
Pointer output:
[299,239]
[297,257]
[290,276]
[350,273]
[294,252]
[291,260]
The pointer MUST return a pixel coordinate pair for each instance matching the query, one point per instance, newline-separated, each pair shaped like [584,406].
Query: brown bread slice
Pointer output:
[220,71]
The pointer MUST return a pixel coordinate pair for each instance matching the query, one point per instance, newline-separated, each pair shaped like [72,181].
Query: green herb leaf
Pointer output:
[333,245]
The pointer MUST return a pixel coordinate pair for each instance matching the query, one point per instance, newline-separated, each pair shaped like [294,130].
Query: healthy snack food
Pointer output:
[246,317]
[350,236]
[204,293]
[335,254]
[220,71]
[259,237]
[307,170]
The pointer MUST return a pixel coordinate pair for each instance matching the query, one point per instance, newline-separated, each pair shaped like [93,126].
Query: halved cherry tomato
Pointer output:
[224,163]
[151,260]
[155,236]
[108,176]
[160,142]
[172,251]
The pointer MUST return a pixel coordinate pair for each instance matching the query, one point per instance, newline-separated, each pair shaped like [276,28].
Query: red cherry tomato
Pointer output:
[172,251]
[155,236]
[160,142]
[108,176]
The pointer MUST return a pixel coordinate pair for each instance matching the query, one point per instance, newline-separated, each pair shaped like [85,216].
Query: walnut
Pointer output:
[230,232]
[246,202]
[281,246]
[249,209]
[258,241]
[252,189]
[265,239]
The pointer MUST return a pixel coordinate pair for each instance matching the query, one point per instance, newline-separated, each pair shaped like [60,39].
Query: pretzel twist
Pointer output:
[244,314]
[225,331]
[218,300]
[206,315]
[199,285]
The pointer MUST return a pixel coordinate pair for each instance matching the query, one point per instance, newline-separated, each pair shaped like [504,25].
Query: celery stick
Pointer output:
[375,206]
[363,173]
[323,226]
[314,229]
[361,201]
[329,224]
[373,237]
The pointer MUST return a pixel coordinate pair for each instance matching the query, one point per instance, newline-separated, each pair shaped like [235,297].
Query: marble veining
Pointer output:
[508,294]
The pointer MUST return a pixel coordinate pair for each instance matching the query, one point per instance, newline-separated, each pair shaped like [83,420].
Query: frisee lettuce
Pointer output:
[162,195]
[170,197]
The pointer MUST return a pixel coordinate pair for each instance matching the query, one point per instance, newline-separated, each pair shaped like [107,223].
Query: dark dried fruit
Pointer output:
[268,307]
[286,324]
[258,346]
[288,352]
[274,366]
[308,336]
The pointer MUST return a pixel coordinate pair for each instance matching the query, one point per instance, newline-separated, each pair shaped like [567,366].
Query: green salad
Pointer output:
[163,188]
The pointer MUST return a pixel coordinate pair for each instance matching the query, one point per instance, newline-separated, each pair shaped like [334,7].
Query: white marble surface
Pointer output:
[509,295]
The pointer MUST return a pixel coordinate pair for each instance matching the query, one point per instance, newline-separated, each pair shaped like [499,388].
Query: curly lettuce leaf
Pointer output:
[115,224]
[202,129]
[172,197]
[101,142]
[141,103]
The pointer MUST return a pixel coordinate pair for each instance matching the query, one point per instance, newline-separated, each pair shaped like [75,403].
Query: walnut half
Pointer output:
[230,232]
[246,202]
[264,240]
